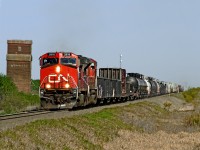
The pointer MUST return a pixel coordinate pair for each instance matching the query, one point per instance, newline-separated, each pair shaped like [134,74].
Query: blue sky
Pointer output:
[156,38]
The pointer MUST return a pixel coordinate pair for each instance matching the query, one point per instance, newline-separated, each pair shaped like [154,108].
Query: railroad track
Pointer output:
[23,114]
[41,112]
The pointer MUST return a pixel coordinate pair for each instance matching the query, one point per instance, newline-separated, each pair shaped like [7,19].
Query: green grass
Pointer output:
[11,100]
[106,123]
[143,107]
[192,94]
[35,86]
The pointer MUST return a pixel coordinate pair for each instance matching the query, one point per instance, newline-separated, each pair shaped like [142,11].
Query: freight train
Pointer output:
[68,80]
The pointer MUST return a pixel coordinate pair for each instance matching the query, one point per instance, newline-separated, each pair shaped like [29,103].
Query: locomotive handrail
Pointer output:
[75,85]
[73,81]
[84,81]
[43,81]
[88,87]
[41,85]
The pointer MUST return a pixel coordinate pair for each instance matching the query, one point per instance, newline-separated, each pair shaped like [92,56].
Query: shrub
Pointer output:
[167,105]
[191,94]
[193,120]
[6,85]
[35,86]
[11,100]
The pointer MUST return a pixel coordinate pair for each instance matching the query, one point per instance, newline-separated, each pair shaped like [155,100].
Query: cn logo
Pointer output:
[54,78]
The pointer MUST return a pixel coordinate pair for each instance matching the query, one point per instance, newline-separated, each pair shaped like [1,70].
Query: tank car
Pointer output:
[181,88]
[175,88]
[163,87]
[168,88]
[138,86]
[158,86]
[153,83]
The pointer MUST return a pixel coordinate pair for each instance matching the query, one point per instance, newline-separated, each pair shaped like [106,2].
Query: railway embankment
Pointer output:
[165,122]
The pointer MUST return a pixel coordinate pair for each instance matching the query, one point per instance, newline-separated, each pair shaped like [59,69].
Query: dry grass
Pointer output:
[193,120]
[160,140]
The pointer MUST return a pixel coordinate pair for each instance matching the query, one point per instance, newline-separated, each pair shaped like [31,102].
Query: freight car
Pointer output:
[111,84]
[138,86]
[68,80]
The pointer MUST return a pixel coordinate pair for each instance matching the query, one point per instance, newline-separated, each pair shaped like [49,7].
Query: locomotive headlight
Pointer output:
[48,86]
[58,69]
[67,85]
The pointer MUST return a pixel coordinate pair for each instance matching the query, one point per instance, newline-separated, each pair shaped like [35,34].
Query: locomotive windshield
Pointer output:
[68,61]
[49,61]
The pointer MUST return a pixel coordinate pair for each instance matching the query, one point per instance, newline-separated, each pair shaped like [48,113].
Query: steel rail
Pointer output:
[23,114]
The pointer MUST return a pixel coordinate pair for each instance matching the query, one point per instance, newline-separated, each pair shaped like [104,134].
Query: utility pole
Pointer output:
[120,60]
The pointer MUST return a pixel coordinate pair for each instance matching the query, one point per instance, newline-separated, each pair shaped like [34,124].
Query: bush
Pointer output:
[193,120]
[191,94]
[6,85]
[35,86]
[167,105]
[11,100]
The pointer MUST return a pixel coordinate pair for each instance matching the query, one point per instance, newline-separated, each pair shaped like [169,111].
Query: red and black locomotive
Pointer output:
[67,80]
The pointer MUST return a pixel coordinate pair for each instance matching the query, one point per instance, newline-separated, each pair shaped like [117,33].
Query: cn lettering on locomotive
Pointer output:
[56,78]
